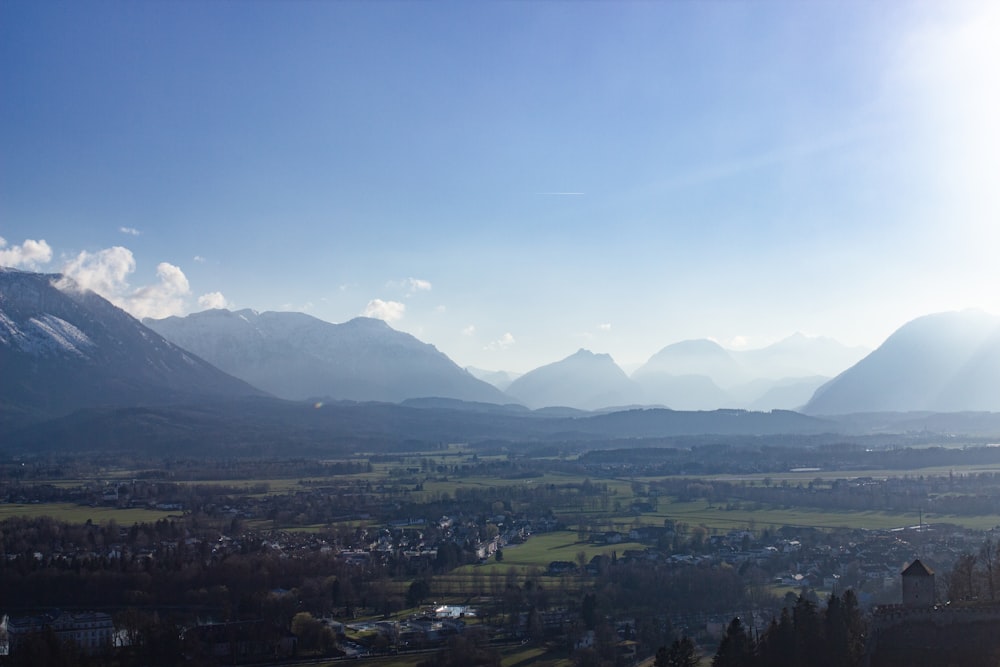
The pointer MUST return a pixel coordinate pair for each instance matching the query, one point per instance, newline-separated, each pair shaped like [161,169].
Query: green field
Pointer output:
[73,513]
[701,513]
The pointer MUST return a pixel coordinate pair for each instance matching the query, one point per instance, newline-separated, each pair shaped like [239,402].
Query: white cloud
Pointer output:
[212,300]
[28,255]
[162,299]
[390,311]
[606,326]
[419,285]
[106,272]
[131,231]
[410,286]
[502,343]
[199,259]
[469,330]
[441,308]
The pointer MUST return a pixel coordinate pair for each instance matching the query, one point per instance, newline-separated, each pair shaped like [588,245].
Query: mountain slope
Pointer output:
[583,380]
[694,357]
[800,356]
[942,362]
[63,348]
[297,356]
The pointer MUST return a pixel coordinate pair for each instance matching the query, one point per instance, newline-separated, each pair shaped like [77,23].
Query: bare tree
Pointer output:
[988,557]
[961,582]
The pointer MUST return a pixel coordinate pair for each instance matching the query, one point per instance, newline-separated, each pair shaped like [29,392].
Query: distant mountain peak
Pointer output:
[583,380]
[298,356]
[584,353]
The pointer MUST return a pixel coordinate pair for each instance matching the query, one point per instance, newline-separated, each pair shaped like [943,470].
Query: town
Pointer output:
[479,555]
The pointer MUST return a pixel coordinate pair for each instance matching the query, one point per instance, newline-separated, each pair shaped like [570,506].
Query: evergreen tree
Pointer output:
[736,648]
[680,654]
[808,632]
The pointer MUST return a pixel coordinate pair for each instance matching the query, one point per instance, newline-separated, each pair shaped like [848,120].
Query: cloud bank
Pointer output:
[212,300]
[29,255]
[106,272]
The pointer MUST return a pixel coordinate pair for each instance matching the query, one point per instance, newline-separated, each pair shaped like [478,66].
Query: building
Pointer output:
[918,585]
[91,631]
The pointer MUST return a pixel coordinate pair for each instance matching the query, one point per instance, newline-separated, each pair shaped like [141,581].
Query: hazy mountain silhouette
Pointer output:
[583,380]
[784,394]
[499,379]
[702,375]
[64,348]
[940,362]
[694,357]
[297,356]
[800,356]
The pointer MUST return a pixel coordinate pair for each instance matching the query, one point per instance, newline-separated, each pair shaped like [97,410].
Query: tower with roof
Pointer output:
[918,585]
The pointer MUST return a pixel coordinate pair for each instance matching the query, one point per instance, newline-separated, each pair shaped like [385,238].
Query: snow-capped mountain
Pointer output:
[297,356]
[63,348]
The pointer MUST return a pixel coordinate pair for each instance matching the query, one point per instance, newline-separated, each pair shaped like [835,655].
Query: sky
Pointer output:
[512,181]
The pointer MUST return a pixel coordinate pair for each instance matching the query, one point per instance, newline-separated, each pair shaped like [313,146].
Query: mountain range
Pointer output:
[690,375]
[296,356]
[64,350]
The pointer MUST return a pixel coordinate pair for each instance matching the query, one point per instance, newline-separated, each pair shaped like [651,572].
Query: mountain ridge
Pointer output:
[63,348]
[298,357]
[942,362]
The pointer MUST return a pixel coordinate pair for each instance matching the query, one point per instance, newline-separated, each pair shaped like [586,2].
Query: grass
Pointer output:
[701,513]
[73,513]
[531,655]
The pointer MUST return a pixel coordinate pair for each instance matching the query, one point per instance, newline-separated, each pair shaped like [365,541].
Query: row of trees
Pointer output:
[803,636]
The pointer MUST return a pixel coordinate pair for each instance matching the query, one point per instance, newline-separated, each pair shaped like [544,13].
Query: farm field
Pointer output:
[73,513]
[719,517]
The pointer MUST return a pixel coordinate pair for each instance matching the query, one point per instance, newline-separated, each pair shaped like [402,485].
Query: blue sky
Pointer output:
[512,181]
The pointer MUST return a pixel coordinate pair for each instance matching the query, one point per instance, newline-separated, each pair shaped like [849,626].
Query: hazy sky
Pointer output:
[512,181]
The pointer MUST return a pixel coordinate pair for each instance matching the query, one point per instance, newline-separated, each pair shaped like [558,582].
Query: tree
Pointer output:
[961,582]
[418,591]
[736,648]
[588,610]
[808,631]
[311,633]
[680,654]
[987,556]
[535,629]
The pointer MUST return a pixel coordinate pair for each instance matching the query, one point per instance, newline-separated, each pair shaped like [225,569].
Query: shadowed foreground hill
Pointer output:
[272,427]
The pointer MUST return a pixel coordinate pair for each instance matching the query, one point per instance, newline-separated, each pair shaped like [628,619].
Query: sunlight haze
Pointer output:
[512,182]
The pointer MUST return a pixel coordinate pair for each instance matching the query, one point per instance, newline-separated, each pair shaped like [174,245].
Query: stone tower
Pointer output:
[918,585]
